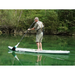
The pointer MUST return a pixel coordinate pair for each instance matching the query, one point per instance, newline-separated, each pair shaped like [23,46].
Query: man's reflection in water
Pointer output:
[38,61]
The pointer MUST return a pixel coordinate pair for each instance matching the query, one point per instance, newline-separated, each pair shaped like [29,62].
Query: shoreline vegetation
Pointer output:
[16,32]
[56,22]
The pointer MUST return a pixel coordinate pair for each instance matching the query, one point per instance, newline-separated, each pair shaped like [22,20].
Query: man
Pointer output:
[39,35]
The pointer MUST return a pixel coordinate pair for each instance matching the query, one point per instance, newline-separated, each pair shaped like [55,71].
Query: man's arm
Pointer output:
[35,27]
[31,28]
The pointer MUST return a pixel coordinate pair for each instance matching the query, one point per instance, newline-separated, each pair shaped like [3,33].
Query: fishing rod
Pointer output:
[21,38]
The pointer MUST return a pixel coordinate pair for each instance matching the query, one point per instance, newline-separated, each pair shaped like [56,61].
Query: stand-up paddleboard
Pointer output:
[41,52]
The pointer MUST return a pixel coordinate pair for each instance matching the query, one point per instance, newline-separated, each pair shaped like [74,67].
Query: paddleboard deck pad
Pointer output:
[28,50]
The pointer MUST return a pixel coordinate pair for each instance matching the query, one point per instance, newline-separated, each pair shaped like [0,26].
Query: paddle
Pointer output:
[21,38]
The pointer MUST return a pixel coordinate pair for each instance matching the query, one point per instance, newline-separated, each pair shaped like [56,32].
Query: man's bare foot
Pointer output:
[38,50]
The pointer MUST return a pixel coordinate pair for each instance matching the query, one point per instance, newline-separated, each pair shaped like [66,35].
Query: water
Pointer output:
[50,42]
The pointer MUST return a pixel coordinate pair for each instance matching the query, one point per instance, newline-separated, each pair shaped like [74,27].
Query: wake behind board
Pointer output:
[41,52]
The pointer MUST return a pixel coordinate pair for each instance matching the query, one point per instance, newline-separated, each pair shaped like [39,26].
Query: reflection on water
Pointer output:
[39,57]
[15,57]
[38,61]
[13,53]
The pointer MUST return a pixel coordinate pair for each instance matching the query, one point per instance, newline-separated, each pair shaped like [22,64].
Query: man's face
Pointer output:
[35,20]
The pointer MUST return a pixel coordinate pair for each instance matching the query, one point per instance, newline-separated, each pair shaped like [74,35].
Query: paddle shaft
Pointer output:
[24,34]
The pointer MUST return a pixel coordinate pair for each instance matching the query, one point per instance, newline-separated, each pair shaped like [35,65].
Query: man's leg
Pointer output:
[37,45]
[40,44]
[38,41]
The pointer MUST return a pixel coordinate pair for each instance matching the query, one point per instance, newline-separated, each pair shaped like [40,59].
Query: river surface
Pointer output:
[50,42]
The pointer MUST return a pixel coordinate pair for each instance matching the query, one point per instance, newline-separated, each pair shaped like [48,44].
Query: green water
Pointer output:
[50,42]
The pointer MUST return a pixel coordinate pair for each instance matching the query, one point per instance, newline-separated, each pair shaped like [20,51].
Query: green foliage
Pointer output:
[7,18]
[62,27]
[55,21]
[66,21]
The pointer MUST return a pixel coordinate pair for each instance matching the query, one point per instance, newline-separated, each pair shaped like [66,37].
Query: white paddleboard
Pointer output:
[42,52]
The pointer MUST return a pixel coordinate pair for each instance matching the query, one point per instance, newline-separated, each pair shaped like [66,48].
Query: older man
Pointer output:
[39,35]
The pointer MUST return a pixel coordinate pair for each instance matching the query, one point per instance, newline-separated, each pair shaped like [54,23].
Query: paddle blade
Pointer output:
[13,48]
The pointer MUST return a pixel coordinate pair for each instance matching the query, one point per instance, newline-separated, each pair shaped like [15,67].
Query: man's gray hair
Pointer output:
[36,18]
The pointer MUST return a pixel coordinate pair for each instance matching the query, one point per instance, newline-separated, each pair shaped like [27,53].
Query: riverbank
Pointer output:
[21,32]
[15,31]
